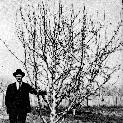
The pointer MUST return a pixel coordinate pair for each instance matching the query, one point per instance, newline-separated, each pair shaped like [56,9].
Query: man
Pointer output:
[17,98]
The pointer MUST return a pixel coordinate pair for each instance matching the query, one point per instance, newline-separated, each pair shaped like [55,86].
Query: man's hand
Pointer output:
[40,92]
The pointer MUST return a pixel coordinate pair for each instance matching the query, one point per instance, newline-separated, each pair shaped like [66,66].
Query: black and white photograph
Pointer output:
[61,61]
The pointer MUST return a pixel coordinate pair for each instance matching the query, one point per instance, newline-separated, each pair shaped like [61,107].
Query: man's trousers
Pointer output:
[17,117]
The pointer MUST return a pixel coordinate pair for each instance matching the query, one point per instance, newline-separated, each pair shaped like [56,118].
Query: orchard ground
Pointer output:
[102,114]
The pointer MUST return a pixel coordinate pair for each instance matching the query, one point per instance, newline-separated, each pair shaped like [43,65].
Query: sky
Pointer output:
[8,63]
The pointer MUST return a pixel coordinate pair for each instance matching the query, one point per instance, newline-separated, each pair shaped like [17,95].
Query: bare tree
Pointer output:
[66,51]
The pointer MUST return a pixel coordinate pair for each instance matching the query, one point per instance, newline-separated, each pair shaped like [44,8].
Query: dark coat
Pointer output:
[18,100]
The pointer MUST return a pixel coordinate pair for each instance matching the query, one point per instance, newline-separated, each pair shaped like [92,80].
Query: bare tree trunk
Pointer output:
[3,103]
[87,101]
[53,112]
[116,101]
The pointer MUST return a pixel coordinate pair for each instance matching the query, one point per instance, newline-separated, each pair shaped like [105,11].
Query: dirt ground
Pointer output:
[85,115]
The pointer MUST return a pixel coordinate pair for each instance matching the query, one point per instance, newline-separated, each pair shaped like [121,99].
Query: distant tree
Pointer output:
[3,86]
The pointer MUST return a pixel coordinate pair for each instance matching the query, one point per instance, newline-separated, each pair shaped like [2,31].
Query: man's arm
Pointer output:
[40,92]
[34,91]
[8,98]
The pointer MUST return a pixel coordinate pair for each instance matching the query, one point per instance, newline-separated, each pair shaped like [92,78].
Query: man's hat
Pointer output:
[19,71]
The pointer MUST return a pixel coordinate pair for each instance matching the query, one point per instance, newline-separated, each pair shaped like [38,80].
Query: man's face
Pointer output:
[18,78]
